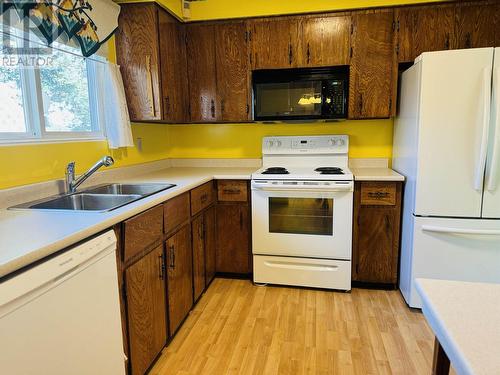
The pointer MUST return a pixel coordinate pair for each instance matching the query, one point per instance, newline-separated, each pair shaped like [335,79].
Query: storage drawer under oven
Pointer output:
[308,272]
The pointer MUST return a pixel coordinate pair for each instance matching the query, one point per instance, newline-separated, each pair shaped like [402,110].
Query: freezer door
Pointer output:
[454,249]
[491,198]
[454,118]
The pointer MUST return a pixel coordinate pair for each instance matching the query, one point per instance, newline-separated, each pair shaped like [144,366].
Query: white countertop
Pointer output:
[28,236]
[376,174]
[465,318]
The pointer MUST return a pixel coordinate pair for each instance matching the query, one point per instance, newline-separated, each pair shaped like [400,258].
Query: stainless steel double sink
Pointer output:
[100,198]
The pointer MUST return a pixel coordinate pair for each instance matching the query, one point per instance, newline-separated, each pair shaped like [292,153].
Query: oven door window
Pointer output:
[301,98]
[301,216]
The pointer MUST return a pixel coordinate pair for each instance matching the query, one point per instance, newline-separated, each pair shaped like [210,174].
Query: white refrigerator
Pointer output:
[447,144]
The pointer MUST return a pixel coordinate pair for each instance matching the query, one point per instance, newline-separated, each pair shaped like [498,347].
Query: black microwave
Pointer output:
[300,94]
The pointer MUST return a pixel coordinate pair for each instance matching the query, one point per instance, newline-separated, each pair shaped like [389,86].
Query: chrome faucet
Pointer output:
[72,183]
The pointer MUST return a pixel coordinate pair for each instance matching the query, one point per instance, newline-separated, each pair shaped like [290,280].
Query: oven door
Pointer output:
[303,223]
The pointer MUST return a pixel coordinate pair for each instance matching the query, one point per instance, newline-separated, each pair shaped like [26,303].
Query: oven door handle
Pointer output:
[320,189]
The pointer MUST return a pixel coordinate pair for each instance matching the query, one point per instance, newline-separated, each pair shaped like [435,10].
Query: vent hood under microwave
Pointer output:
[300,94]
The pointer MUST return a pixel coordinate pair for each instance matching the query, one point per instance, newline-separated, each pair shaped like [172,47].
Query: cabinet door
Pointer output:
[423,29]
[374,261]
[233,251]
[475,25]
[209,219]
[138,56]
[174,81]
[146,309]
[326,41]
[370,86]
[202,73]
[180,277]
[275,43]
[198,256]
[232,71]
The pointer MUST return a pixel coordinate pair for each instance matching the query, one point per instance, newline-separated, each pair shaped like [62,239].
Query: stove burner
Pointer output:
[329,170]
[276,170]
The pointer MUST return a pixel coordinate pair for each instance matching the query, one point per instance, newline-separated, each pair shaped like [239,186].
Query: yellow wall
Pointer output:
[216,9]
[368,138]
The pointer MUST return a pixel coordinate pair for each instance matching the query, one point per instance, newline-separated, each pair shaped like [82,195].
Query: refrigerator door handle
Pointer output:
[451,230]
[481,161]
[495,155]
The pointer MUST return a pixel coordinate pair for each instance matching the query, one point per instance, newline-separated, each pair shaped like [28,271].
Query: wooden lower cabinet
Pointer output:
[376,232]
[180,277]
[198,256]
[233,238]
[210,247]
[146,310]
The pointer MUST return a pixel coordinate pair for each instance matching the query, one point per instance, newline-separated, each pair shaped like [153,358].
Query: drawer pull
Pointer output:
[204,198]
[231,191]
[378,194]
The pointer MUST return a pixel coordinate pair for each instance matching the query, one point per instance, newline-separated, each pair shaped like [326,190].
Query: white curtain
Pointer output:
[115,112]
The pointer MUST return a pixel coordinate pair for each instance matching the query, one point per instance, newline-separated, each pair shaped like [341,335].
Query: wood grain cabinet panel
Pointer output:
[142,231]
[424,29]
[202,73]
[325,41]
[376,233]
[232,191]
[275,43]
[202,197]
[176,212]
[210,244]
[232,71]
[371,71]
[174,80]
[233,238]
[475,25]
[137,52]
[179,259]
[146,310]
[198,233]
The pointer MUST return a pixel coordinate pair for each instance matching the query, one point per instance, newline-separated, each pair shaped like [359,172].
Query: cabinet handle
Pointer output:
[360,104]
[212,108]
[201,231]
[172,257]
[468,40]
[222,105]
[149,82]
[162,266]
[378,194]
[167,105]
[204,198]
[290,54]
[231,191]
[308,54]
[447,42]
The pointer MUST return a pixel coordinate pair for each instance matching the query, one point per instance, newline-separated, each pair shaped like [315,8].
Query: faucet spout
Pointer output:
[72,183]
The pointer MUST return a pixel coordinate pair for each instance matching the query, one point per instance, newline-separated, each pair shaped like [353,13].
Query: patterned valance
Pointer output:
[89,23]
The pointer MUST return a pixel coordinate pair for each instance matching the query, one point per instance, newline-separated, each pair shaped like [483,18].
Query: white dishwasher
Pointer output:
[62,316]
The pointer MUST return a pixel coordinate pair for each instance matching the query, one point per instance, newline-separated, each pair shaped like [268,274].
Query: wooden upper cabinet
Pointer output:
[475,25]
[325,41]
[275,43]
[372,65]
[174,81]
[232,71]
[145,281]
[137,51]
[423,29]
[202,73]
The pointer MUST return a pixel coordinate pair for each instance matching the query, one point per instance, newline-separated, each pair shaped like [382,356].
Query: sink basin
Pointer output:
[125,189]
[85,202]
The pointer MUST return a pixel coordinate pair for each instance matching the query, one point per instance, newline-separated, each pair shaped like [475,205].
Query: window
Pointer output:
[57,98]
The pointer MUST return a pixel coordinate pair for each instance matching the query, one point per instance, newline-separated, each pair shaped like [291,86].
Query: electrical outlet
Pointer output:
[139,144]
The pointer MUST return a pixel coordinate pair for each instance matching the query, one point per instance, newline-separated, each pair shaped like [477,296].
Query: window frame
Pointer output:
[34,116]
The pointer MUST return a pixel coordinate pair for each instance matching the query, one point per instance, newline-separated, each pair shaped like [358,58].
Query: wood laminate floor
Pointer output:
[239,328]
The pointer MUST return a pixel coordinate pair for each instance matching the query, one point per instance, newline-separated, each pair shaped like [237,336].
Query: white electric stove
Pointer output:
[302,212]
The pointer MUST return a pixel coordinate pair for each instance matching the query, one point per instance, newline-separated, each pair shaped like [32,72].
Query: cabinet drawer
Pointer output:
[176,212]
[202,197]
[232,191]
[378,194]
[142,230]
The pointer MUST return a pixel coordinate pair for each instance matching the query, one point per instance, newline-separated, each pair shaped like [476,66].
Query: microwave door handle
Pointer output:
[485,117]
[495,154]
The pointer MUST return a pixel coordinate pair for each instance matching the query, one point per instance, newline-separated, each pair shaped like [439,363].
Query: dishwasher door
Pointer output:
[63,315]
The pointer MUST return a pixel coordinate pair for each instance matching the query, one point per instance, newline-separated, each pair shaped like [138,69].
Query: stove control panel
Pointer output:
[323,144]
